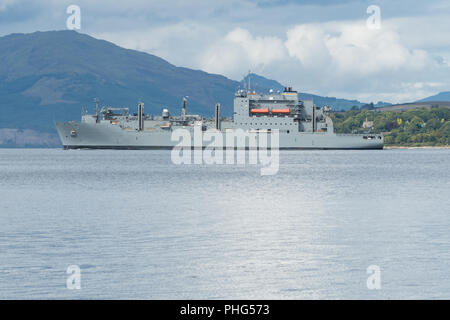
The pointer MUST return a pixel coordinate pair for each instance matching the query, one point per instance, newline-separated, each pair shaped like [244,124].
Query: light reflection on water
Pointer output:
[141,227]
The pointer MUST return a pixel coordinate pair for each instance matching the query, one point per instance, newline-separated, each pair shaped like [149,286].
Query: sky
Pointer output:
[343,49]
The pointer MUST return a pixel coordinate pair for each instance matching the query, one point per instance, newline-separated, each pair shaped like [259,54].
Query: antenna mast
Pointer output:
[96,110]
[96,106]
[183,110]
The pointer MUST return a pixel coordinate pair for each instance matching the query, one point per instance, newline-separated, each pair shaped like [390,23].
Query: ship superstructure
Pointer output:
[281,111]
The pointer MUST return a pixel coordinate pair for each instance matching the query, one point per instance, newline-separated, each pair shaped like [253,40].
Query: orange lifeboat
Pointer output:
[266,110]
[281,110]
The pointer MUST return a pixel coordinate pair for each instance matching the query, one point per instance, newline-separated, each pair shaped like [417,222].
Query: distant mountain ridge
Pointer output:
[441,96]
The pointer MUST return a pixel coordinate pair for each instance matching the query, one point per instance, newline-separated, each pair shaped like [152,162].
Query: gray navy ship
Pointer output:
[300,125]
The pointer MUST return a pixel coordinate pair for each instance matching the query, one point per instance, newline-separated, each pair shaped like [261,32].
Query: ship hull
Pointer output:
[103,136]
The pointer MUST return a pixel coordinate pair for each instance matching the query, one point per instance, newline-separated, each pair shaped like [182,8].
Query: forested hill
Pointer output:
[417,127]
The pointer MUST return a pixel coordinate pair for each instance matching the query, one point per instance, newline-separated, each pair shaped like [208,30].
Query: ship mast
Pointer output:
[96,109]
[183,110]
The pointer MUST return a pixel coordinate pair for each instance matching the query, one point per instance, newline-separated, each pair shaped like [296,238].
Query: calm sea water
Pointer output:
[139,226]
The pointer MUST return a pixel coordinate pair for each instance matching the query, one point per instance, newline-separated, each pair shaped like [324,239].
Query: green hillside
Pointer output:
[417,127]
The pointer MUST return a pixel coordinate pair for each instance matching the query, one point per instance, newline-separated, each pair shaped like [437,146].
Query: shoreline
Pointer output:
[416,147]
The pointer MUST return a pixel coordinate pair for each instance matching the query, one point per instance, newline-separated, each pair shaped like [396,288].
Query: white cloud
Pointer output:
[179,43]
[239,50]
[350,48]
[4,4]
[307,43]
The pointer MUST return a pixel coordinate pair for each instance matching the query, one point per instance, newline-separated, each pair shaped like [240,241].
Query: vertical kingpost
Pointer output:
[141,116]
[97,119]
[313,118]
[183,110]
[217,115]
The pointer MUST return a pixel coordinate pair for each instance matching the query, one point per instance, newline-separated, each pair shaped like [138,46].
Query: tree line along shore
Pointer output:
[411,128]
